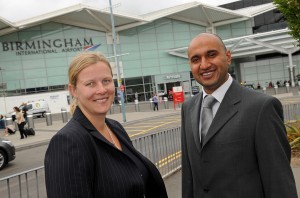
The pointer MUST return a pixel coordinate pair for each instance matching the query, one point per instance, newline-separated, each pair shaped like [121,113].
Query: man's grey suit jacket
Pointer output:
[245,153]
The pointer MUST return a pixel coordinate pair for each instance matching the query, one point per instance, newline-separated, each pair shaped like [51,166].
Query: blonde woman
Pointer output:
[92,156]
[20,122]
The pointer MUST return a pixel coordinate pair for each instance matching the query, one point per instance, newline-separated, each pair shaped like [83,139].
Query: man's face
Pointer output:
[209,61]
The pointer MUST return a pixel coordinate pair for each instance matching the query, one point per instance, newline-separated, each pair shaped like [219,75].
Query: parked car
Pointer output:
[7,152]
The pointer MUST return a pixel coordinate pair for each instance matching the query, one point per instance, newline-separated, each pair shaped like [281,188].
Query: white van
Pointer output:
[37,108]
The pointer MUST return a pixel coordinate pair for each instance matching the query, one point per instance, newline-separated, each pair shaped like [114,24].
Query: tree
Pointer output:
[291,12]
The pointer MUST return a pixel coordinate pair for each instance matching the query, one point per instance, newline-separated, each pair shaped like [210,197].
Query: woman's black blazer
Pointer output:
[80,162]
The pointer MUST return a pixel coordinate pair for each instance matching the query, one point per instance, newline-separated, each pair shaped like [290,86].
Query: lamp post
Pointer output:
[116,60]
[2,87]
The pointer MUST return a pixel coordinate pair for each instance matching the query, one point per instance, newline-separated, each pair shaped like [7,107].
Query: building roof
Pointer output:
[85,16]
[268,42]
[256,10]
[6,26]
[89,17]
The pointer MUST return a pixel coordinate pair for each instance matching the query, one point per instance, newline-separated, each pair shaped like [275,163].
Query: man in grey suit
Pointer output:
[245,152]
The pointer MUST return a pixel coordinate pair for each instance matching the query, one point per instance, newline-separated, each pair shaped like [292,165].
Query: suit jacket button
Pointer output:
[205,189]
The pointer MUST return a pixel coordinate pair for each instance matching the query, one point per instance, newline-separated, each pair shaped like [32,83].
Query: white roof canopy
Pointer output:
[85,16]
[269,42]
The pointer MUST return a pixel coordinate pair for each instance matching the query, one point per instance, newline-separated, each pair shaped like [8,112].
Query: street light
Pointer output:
[116,60]
[3,87]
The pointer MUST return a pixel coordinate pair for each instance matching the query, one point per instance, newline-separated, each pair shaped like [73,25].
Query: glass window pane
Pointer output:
[134,81]
[147,79]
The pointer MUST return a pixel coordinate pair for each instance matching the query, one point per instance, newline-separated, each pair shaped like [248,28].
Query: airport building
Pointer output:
[151,49]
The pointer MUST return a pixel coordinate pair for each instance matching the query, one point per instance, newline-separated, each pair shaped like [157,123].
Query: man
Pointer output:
[245,152]
[24,110]
[155,102]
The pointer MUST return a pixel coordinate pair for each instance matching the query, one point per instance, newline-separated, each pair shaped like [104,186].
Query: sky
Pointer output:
[18,10]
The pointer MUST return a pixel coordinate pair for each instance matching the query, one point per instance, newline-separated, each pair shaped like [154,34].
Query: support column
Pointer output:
[165,88]
[291,66]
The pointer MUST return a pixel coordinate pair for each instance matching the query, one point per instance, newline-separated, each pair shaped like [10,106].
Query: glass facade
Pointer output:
[271,70]
[271,20]
[36,59]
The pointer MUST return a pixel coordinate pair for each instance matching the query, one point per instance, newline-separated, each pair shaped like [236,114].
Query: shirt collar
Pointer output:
[219,93]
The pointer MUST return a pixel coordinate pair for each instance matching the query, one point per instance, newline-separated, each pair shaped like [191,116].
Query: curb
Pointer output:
[36,144]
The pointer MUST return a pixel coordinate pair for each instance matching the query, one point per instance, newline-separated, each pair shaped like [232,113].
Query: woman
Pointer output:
[20,121]
[92,156]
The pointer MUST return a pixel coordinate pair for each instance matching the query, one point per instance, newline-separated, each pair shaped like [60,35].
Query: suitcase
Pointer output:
[29,131]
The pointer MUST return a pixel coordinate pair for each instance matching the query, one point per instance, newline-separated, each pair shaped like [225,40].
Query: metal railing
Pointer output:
[29,183]
[291,111]
[163,148]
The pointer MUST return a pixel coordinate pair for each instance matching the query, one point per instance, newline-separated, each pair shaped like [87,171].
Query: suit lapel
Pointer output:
[80,117]
[228,108]
[195,119]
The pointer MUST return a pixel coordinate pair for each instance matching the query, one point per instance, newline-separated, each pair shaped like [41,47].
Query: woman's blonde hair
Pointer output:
[80,62]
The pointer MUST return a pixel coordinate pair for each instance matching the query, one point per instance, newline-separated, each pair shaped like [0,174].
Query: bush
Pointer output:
[293,134]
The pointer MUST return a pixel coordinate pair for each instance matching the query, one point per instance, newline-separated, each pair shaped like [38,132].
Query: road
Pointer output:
[25,160]
[138,129]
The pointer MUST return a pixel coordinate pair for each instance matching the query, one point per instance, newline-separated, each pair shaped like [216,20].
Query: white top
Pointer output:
[218,94]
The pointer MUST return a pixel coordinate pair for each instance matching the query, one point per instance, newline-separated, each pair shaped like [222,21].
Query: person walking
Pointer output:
[234,142]
[20,122]
[24,110]
[155,102]
[93,156]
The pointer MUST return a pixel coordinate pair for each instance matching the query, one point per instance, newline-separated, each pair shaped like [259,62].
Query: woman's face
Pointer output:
[95,89]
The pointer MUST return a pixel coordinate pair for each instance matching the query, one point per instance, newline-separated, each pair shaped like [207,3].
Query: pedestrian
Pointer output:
[93,156]
[155,102]
[244,152]
[270,84]
[2,122]
[20,122]
[258,86]
[24,110]
[9,130]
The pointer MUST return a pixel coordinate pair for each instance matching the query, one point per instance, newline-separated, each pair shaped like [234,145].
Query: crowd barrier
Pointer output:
[291,111]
